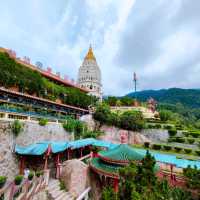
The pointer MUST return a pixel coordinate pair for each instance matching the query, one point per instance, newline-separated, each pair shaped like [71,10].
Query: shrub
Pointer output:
[146,144]
[62,185]
[167,127]
[43,122]
[185,133]
[16,127]
[2,181]
[195,134]
[191,140]
[158,126]
[172,132]
[156,146]
[166,147]
[197,152]
[177,149]
[18,179]
[150,126]
[30,176]
[187,151]
[92,134]
[179,139]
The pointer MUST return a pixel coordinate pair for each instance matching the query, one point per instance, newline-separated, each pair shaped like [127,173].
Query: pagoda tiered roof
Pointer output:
[109,162]
[122,154]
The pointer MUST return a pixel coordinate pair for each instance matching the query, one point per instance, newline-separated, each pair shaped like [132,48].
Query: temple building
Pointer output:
[89,76]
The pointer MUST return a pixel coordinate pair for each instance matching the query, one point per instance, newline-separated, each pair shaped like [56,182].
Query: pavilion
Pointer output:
[108,163]
[43,152]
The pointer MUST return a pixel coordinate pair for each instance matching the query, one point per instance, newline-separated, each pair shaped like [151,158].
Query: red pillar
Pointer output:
[58,165]
[47,156]
[22,165]
[81,152]
[171,167]
[116,185]
[68,153]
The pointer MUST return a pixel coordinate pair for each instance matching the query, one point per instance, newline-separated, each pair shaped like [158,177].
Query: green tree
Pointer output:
[109,194]
[111,100]
[126,101]
[102,113]
[17,127]
[132,120]
[165,115]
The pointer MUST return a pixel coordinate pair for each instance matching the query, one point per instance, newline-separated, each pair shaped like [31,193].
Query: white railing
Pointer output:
[84,195]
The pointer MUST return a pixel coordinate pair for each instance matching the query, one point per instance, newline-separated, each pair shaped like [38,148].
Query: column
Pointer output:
[116,185]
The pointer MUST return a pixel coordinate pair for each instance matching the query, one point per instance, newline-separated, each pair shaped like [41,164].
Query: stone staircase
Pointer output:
[55,193]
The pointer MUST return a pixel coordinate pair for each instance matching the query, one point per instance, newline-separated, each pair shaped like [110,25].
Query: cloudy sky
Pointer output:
[157,39]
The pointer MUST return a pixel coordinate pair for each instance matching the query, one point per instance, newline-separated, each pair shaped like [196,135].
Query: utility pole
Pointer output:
[135,83]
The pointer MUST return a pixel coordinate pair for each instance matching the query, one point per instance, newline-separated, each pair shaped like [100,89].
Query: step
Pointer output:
[50,186]
[56,193]
[53,181]
[62,196]
[65,196]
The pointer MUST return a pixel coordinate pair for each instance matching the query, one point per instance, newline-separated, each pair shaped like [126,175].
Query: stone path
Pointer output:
[55,193]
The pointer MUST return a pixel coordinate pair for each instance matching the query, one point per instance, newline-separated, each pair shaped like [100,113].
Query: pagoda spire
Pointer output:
[90,54]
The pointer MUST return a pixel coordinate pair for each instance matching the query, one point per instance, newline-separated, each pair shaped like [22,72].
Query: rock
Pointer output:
[75,176]
[113,134]
[89,121]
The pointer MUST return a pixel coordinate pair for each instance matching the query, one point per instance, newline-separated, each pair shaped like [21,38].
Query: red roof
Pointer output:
[45,73]
[41,99]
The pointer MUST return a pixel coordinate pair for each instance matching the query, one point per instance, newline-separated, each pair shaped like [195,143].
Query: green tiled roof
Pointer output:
[104,168]
[121,154]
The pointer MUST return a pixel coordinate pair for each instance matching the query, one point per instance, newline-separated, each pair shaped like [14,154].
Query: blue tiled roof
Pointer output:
[59,146]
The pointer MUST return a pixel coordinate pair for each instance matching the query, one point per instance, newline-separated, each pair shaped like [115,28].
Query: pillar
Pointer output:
[81,152]
[116,185]
[58,165]
[47,156]
[22,165]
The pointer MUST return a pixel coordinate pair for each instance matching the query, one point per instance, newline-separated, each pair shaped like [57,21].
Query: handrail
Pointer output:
[85,157]
[26,189]
[84,194]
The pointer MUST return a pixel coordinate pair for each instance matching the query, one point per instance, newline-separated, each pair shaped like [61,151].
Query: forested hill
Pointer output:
[187,97]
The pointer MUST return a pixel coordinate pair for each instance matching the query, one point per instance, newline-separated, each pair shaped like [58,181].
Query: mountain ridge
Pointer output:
[187,97]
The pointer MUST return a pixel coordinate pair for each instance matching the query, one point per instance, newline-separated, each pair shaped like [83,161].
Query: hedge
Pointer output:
[178,149]
[180,140]
[146,144]
[197,152]
[187,151]
[172,132]
[156,146]
[166,147]
[191,140]
[168,127]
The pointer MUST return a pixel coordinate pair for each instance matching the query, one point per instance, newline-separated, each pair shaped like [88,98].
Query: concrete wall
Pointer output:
[32,133]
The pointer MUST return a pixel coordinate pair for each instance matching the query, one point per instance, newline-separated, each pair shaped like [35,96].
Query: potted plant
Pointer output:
[2,181]
[30,176]
[18,179]
[39,173]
